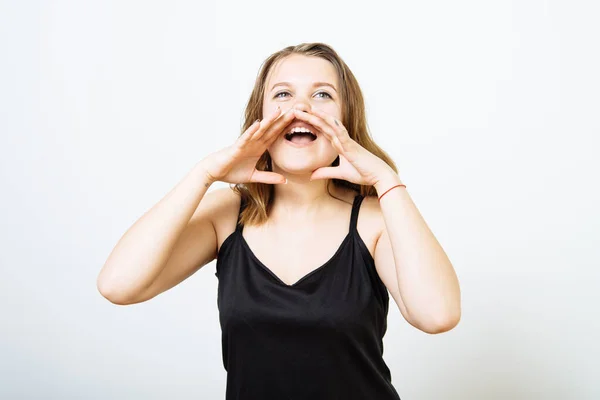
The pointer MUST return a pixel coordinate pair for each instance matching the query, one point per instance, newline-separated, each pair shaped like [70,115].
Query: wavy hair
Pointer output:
[258,197]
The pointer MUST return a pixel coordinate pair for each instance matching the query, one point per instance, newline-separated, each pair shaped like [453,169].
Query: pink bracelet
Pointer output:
[389,190]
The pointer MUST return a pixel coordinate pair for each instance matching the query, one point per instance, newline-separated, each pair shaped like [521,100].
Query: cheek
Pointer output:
[330,150]
[332,110]
[266,109]
[326,149]
[269,107]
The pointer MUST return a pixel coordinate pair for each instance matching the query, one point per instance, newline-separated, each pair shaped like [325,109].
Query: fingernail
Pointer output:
[285,180]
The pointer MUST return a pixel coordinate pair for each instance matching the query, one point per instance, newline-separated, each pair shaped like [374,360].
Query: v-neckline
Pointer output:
[305,276]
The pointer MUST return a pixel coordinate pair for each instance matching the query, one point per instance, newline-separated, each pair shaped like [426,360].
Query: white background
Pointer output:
[489,108]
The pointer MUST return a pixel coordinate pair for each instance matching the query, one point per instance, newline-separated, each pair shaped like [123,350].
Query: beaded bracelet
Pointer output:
[389,190]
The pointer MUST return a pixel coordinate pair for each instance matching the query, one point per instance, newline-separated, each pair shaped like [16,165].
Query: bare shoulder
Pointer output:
[224,213]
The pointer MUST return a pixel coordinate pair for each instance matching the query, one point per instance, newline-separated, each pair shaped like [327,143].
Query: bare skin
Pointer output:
[304,215]
[176,237]
[291,260]
[186,229]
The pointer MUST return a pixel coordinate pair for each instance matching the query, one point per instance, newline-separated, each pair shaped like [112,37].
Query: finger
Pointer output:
[244,137]
[276,129]
[340,130]
[284,120]
[267,177]
[266,122]
[326,173]
[337,126]
[317,122]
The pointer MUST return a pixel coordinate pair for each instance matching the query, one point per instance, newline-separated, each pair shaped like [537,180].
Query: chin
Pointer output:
[301,161]
[301,166]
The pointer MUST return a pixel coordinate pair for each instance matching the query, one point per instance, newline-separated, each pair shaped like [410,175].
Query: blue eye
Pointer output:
[328,95]
[277,96]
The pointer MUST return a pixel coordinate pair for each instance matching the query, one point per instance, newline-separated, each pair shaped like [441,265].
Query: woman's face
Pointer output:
[305,83]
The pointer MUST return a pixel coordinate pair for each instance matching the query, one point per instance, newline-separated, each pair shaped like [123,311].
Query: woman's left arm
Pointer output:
[427,281]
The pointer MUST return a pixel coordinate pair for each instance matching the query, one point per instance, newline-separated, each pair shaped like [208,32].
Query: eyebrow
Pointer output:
[315,84]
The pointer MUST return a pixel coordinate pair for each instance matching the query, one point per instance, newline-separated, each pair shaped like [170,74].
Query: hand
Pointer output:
[237,163]
[357,164]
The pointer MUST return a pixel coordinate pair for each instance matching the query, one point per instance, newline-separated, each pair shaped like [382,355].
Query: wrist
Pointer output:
[202,174]
[387,182]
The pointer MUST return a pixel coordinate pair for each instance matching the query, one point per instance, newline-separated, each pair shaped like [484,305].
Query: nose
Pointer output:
[302,106]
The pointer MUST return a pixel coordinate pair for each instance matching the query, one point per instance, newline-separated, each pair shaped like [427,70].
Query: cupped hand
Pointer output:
[237,163]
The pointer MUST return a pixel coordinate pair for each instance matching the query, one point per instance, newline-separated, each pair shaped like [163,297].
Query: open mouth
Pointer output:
[300,135]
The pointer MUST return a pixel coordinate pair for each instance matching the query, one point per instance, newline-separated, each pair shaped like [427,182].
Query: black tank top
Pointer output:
[317,339]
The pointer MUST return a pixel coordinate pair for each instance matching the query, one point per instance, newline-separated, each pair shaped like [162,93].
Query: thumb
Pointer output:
[267,177]
[325,173]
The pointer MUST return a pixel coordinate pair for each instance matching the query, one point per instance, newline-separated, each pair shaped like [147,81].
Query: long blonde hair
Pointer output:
[258,197]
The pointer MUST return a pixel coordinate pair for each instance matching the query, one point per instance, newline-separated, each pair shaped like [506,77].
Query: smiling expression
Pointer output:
[306,83]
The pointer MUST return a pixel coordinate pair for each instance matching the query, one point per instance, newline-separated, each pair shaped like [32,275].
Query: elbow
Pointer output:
[438,322]
[445,324]
[111,293]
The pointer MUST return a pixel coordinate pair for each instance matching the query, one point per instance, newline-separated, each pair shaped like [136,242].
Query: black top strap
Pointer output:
[355,208]
[242,206]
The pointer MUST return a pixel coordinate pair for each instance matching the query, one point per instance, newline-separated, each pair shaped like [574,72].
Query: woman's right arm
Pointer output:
[175,225]
[176,237]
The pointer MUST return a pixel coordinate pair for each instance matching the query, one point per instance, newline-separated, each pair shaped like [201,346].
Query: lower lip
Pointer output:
[300,145]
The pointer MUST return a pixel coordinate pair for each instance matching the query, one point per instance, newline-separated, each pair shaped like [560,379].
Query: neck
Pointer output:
[300,197]
[301,194]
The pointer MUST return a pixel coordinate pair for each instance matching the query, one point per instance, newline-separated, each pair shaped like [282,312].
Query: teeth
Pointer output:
[300,129]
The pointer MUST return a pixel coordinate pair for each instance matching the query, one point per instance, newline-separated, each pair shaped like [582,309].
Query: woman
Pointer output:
[303,276]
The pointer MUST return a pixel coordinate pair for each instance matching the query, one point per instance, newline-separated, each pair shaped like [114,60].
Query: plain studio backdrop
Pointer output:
[490,109]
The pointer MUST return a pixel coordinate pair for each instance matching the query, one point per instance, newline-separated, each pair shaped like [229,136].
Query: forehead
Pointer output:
[299,69]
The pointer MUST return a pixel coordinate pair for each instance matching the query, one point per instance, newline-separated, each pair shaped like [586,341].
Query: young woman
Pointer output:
[316,230]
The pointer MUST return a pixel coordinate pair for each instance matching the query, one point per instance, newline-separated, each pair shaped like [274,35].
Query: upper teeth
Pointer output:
[300,129]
